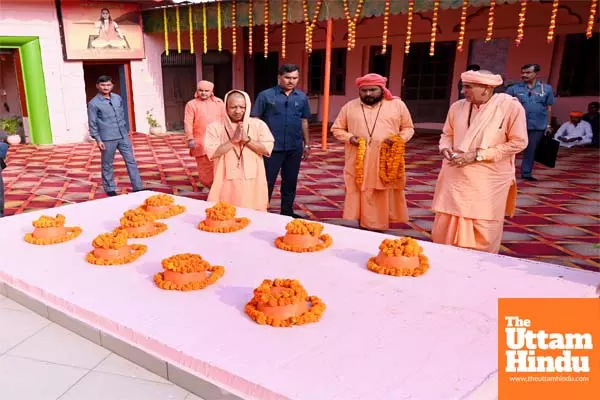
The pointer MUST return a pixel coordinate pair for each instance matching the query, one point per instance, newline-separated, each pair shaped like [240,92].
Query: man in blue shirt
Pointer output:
[537,98]
[3,152]
[285,110]
[108,127]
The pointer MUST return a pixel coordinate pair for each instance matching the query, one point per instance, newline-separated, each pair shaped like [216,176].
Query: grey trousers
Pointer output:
[108,157]
[535,137]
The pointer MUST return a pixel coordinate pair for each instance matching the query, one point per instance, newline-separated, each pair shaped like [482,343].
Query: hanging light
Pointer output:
[386,18]
[552,26]
[409,23]
[434,25]
[490,25]
[521,27]
[463,25]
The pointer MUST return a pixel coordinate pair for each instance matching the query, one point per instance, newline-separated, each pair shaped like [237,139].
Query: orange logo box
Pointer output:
[548,349]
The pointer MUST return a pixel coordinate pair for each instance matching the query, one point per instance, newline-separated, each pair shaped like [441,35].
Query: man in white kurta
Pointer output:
[574,132]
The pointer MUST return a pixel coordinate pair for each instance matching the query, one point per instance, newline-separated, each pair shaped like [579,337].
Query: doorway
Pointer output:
[216,68]
[264,70]
[427,81]
[179,86]
[12,100]
[119,73]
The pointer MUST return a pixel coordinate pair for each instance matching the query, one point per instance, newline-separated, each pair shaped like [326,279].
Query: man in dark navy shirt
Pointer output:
[108,127]
[285,110]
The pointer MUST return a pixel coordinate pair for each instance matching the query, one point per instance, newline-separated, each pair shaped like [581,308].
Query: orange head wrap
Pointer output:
[485,78]
[205,85]
[375,80]
[576,114]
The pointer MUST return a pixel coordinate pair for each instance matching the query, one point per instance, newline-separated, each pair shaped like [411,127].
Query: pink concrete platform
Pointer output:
[381,337]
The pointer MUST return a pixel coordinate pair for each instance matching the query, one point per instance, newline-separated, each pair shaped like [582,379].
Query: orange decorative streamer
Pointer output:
[166,29]
[352,21]
[266,40]
[191,27]
[386,19]
[521,27]
[434,25]
[233,27]
[204,28]
[409,23]
[463,26]
[552,26]
[310,23]
[250,25]
[178,29]
[284,17]
[589,30]
[219,33]
[490,26]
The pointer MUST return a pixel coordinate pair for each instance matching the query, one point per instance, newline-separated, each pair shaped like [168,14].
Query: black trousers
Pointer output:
[288,162]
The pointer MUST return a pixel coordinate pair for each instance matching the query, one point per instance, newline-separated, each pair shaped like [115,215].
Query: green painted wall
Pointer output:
[40,130]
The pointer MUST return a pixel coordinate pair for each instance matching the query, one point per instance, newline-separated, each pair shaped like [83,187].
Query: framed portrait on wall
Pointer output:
[96,30]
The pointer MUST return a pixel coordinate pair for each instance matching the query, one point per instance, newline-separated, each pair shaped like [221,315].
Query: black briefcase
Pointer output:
[547,151]
[2,164]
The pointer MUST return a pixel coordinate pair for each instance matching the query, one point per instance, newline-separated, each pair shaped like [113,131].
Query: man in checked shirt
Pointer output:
[109,128]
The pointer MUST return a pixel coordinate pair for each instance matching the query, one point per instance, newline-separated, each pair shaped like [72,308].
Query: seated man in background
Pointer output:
[593,118]
[574,132]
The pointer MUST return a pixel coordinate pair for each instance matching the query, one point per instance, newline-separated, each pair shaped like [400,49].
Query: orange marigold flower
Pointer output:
[136,218]
[360,162]
[391,161]
[221,212]
[159,200]
[302,227]
[46,221]
[188,263]
[406,247]
[113,240]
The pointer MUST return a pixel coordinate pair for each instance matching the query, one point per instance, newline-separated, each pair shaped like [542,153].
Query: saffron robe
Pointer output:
[470,202]
[373,204]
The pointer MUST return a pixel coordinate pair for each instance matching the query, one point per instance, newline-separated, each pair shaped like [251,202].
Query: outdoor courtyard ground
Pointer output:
[557,221]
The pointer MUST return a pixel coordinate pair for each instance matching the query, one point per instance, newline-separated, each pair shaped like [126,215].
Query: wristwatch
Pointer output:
[478,156]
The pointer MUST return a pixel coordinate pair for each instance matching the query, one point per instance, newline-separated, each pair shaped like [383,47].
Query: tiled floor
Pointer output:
[40,360]
[557,220]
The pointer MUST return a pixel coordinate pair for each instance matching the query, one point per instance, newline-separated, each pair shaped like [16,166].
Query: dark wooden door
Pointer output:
[179,86]
[216,68]
[427,81]
[265,71]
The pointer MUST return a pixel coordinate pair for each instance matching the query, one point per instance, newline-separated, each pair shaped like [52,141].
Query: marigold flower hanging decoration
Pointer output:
[204,29]
[463,25]
[434,25]
[284,17]
[352,21]
[552,26]
[266,27]
[250,25]
[233,27]
[490,26]
[178,29]
[219,33]
[409,23]
[520,28]
[191,25]
[589,31]
[386,20]
[166,30]
[310,23]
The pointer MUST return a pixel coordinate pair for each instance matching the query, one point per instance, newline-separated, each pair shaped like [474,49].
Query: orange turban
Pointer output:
[205,85]
[484,78]
[375,80]
[576,114]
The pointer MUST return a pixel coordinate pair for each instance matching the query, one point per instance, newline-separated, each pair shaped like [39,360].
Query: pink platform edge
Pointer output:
[380,337]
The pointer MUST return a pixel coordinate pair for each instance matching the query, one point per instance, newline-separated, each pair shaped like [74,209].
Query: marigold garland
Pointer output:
[266,39]
[240,223]
[386,20]
[166,31]
[409,24]
[434,26]
[352,21]
[191,26]
[204,29]
[463,26]
[284,18]
[359,168]
[552,26]
[310,23]
[158,200]
[44,222]
[521,27]
[490,26]
[406,247]
[589,30]
[219,33]
[391,161]
[233,27]
[138,218]
[115,240]
[163,200]
[187,263]
[178,29]
[301,227]
[296,292]
[250,25]
[223,212]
